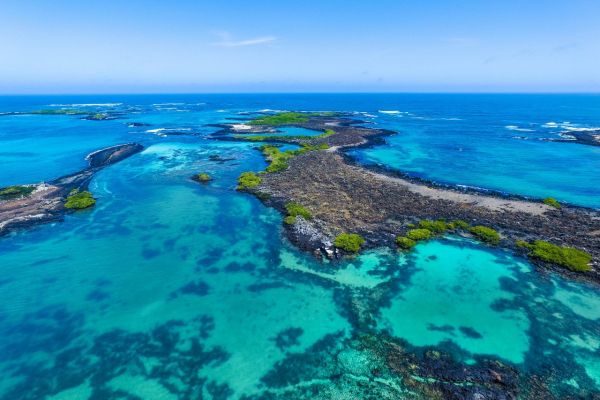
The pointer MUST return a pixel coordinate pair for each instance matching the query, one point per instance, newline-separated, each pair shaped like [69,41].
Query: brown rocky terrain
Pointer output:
[379,205]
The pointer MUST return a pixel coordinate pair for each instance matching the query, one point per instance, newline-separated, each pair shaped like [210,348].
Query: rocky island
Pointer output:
[24,206]
[380,207]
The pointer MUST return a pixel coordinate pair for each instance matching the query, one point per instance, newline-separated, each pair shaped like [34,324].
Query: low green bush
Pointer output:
[248,180]
[523,244]
[485,234]
[98,117]
[277,158]
[405,243]
[295,209]
[290,219]
[568,257]
[459,224]
[438,227]
[419,234]
[12,192]
[203,177]
[79,200]
[552,202]
[350,242]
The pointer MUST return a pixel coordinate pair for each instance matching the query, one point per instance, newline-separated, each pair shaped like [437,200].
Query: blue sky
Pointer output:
[65,46]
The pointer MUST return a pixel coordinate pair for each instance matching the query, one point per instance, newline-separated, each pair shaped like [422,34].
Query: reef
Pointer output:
[45,202]
[380,204]
[590,137]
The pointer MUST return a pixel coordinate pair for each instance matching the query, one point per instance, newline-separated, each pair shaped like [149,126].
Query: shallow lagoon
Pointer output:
[172,289]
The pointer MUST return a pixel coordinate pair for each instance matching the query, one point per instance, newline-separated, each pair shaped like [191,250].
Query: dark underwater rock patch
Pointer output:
[196,288]
[288,338]
[57,332]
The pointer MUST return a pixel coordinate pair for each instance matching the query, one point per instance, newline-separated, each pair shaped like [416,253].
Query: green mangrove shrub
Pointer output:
[350,242]
[98,117]
[278,160]
[203,177]
[288,118]
[438,227]
[567,257]
[79,200]
[552,202]
[485,234]
[419,234]
[405,243]
[459,224]
[12,192]
[284,118]
[290,220]
[248,180]
[295,209]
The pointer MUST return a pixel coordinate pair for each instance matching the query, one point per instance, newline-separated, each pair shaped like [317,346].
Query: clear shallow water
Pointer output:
[169,289]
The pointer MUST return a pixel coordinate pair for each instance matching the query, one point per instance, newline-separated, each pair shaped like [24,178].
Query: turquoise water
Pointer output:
[289,131]
[168,289]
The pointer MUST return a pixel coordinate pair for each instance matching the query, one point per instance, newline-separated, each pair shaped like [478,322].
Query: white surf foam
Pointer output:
[516,128]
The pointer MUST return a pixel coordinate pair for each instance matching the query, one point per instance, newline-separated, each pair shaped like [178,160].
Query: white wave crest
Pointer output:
[516,128]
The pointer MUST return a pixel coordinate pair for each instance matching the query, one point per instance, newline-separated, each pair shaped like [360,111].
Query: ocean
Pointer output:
[168,289]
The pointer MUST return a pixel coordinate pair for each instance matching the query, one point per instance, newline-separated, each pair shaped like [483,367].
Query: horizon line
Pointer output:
[294,93]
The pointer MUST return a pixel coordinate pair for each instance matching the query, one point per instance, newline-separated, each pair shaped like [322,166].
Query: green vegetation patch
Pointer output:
[203,177]
[60,111]
[12,192]
[295,209]
[438,227]
[285,118]
[288,118]
[248,180]
[419,234]
[568,257]
[485,234]
[459,224]
[278,160]
[290,219]
[79,200]
[350,242]
[405,243]
[552,202]
[98,117]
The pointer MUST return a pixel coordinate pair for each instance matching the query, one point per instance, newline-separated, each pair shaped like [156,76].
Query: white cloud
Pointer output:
[227,40]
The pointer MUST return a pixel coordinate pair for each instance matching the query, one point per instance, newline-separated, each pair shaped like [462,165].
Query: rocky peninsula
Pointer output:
[24,206]
[381,205]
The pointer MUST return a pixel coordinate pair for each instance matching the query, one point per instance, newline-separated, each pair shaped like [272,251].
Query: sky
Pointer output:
[135,46]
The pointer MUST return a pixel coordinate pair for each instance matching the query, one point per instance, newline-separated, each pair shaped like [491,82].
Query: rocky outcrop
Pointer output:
[46,202]
[380,204]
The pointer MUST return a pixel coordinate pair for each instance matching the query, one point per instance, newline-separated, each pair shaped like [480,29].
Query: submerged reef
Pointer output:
[381,205]
[28,205]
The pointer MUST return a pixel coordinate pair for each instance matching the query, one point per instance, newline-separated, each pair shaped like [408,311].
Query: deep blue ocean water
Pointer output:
[169,289]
